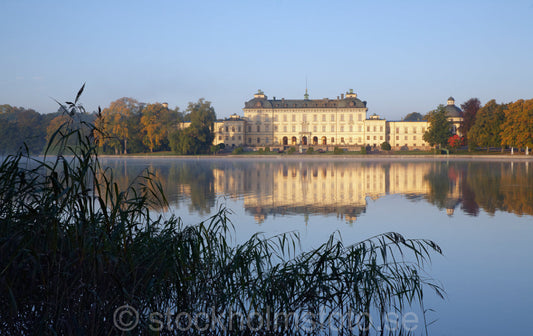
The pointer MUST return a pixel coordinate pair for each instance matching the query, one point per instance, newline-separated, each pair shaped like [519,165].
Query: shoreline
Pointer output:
[320,157]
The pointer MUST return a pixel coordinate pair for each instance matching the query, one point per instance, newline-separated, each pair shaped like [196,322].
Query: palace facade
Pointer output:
[321,123]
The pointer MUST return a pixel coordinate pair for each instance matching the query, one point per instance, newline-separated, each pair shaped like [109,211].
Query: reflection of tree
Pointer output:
[199,180]
[517,190]
[469,204]
[180,180]
[491,186]
[485,180]
[439,185]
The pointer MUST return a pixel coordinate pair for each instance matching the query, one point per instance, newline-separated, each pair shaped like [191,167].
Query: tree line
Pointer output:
[492,125]
[128,126]
[125,126]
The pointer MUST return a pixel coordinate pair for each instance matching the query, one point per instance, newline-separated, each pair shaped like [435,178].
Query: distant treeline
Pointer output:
[129,126]
[126,126]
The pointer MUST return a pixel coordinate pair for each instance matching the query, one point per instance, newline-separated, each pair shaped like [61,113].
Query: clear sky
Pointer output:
[399,56]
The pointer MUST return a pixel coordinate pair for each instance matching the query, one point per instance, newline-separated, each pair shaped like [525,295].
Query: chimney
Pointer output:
[342,95]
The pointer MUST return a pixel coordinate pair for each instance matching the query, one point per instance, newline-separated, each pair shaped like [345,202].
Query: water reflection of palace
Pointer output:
[325,188]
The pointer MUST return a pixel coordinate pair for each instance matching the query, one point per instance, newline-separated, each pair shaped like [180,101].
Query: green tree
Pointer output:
[439,128]
[517,129]
[386,146]
[487,128]
[413,116]
[21,128]
[198,137]
[201,113]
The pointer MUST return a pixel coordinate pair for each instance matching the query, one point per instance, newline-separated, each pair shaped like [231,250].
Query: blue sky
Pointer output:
[399,56]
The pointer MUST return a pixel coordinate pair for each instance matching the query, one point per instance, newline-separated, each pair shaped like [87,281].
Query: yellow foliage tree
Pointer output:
[156,122]
[517,129]
[116,123]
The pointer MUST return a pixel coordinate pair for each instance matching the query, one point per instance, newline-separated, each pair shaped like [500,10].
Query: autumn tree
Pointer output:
[439,129]
[157,123]
[487,128]
[119,124]
[470,109]
[517,129]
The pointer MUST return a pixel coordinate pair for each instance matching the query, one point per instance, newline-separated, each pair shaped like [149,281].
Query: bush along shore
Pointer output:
[81,257]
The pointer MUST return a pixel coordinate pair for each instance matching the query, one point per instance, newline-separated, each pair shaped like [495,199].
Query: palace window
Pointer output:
[276,128]
[342,117]
[351,117]
[276,117]
[397,130]
[397,137]
[414,137]
[314,128]
[381,128]
[332,117]
[220,137]
[266,140]
[221,129]
[375,128]
[332,140]
[368,128]
[233,129]
[293,117]
[284,128]
[249,140]
[324,128]
[294,128]
[414,129]
[314,117]
[285,117]
[333,128]
[406,137]
[342,128]
[359,117]
[405,130]
[381,137]
[227,129]
[266,128]
[351,128]
[323,117]
[258,128]
[258,140]
[239,137]
[249,128]
[227,137]
[239,128]
[368,137]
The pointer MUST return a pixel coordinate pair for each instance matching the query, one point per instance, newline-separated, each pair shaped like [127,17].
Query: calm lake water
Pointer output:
[479,212]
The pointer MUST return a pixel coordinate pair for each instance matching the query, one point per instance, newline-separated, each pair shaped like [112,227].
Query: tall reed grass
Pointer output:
[74,248]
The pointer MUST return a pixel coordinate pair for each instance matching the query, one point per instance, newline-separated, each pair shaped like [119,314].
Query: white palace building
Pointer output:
[321,123]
